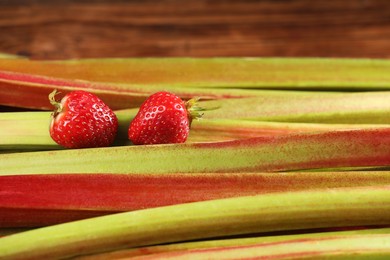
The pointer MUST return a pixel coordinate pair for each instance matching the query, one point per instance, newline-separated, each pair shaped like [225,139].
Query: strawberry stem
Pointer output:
[56,104]
[194,110]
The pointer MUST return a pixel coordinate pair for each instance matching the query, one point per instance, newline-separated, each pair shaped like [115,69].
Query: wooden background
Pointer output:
[44,29]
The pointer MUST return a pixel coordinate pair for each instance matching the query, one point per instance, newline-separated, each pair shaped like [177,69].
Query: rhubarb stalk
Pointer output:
[24,131]
[66,197]
[31,91]
[367,246]
[235,242]
[277,73]
[239,215]
[343,108]
[216,130]
[344,148]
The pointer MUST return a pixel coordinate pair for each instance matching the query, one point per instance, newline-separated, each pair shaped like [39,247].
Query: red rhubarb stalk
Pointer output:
[68,197]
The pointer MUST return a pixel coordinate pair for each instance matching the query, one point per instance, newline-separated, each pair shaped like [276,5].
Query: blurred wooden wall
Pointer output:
[44,29]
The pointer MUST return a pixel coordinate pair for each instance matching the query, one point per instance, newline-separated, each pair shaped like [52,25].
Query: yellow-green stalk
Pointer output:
[26,131]
[332,149]
[241,215]
[236,242]
[277,73]
[368,246]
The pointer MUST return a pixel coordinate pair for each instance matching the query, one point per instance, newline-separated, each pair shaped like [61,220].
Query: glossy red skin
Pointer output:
[162,119]
[85,121]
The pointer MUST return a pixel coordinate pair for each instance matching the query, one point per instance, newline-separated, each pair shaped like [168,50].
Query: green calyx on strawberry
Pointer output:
[162,119]
[82,120]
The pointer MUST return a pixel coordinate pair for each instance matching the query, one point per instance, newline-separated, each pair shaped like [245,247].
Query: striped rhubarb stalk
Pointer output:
[344,148]
[25,90]
[367,246]
[240,215]
[66,197]
[31,91]
[292,73]
[235,242]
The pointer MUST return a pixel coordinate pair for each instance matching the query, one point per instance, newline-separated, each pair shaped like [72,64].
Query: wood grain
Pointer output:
[72,29]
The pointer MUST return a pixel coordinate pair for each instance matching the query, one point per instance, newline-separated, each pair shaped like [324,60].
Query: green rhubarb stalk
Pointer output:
[25,131]
[368,246]
[69,197]
[277,73]
[216,130]
[236,242]
[344,108]
[344,148]
[240,215]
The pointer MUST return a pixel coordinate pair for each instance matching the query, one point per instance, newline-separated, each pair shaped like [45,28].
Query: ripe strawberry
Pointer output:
[163,118]
[82,120]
